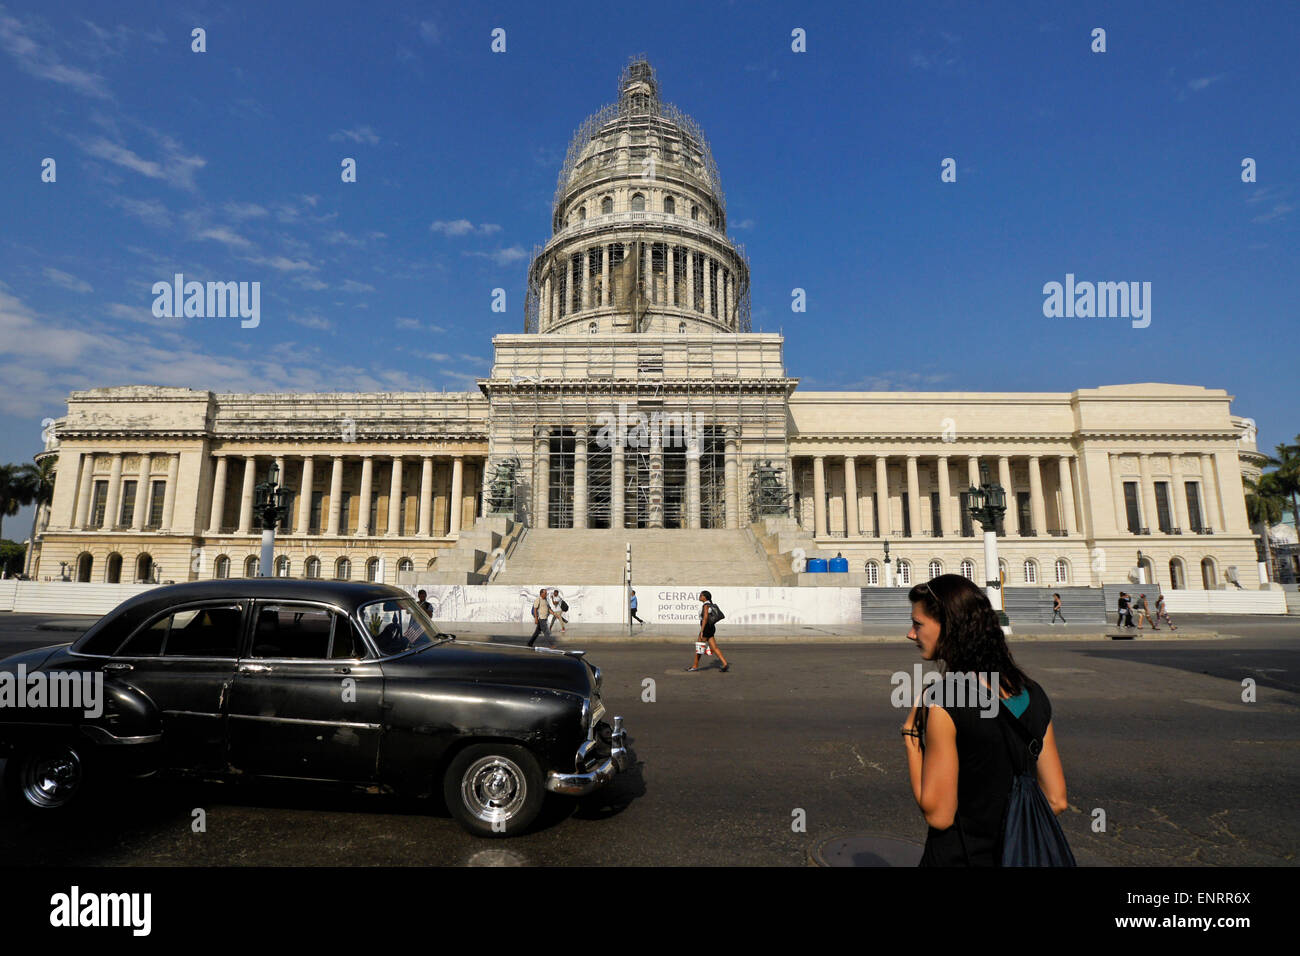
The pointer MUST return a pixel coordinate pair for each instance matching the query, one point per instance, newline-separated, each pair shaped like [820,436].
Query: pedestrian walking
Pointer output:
[632,606]
[1056,609]
[422,599]
[541,618]
[559,607]
[1125,611]
[710,615]
[954,623]
[1144,613]
[1161,612]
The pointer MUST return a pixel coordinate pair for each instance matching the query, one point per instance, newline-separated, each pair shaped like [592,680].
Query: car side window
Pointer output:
[147,642]
[192,632]
[306,633]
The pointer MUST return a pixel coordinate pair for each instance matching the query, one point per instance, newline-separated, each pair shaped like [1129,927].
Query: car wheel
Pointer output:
[494,789]
[48,779]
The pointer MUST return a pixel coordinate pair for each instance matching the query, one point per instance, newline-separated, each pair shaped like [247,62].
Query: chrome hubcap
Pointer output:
[494,789]
[51,780]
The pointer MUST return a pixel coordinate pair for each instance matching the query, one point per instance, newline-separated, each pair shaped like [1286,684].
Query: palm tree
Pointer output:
[1264,503]
[1288,472]
[41,477]
[15,490]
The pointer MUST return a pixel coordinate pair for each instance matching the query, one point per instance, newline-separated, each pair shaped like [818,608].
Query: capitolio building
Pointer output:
[637,407]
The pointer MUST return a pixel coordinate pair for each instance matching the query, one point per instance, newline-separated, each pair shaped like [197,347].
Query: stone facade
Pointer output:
[638,397]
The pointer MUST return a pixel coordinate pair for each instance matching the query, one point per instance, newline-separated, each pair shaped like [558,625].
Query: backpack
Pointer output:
[715,614]
[564,606]
[1031,834]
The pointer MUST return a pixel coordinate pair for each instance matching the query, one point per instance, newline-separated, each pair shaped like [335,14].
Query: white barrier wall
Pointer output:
[65,597]
[668,604]
[1225,602]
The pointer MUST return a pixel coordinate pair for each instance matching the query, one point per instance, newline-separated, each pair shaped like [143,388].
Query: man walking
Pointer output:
[1125,614]
[541,618]
[422,599]
[633,608]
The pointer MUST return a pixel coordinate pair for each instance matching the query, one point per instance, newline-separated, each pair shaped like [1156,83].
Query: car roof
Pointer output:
[348,595]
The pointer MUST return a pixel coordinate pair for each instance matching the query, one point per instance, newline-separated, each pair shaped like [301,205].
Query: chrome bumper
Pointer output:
[580,784]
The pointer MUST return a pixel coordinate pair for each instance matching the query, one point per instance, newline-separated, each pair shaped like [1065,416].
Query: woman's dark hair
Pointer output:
[970,637]
[707,596]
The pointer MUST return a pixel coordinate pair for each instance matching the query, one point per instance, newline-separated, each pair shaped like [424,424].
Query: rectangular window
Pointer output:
[156,498]
[936,516]
[98,502]
[875,517]
[967,523]
[907,517]
[401,516]
[1025,513]
[374,513]
[345,513]
[317,506]
[1131,507]
[1194,517]
[1162,507]
[128,504]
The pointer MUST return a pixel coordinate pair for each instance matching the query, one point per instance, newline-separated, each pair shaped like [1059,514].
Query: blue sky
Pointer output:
[224,165]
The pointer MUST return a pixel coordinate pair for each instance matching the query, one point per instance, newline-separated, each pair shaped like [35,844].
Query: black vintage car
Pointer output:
[318,680]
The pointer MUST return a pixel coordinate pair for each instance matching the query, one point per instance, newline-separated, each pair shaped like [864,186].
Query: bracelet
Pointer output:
[911,732]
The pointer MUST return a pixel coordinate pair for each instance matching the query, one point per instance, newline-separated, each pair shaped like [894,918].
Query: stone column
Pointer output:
[544,304]
[1037,506]
[655,509]
[851,528]
[671,254]
[731,473]
[580,478]
[336,496]
[218,495]
[1150,517]
[819,496]
[951,524]
[1178,492]
[395,500]
[557,287]
[692,480]
[731,301]
[425,525]
[141,493]
[882,496]
[1012,519]
[304,496]
[973,470]
[82,518]
[708,284]
[1068,522]
[913,497]
[648,276]
[456,505]
[690,279]
[617,481]
[169,492]
[114,493]
[246,495]
[367,492]
[586,279]
[604,278]
[542,483]
[1117,489]
[1210,502]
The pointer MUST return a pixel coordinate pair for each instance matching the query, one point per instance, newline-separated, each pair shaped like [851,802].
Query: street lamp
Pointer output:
[987,504]
[271,505]
[889,568]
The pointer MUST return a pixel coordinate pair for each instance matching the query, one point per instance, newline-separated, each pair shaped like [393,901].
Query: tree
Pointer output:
[1264,503]
[41,477]
[1287,463]
[16,490]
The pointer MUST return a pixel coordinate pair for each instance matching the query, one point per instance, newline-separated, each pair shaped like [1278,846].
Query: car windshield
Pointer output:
[398,625]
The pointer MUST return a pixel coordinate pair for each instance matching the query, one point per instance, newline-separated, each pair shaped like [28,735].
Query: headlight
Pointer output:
[596,677]
[586,713]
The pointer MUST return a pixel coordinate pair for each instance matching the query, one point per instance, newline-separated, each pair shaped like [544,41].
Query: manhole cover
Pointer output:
[863,850]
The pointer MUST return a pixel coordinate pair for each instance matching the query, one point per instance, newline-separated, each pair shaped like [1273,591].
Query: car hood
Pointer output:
[496,664]
[33,658]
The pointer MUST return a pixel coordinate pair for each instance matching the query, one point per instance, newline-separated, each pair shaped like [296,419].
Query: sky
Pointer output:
[225,165]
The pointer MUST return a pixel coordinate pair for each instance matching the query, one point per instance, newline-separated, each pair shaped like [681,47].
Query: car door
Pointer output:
[306,697]
[184,661]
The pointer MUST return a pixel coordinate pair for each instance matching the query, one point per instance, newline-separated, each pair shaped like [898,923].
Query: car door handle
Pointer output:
[253,668]
[343,670]
[118,667]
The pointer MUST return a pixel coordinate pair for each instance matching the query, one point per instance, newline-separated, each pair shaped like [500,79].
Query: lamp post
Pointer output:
[271,506]
[1142,571]
[889,567]
[987,504]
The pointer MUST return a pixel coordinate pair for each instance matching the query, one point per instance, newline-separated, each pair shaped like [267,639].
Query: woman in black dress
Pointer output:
[707,634]
[953,622]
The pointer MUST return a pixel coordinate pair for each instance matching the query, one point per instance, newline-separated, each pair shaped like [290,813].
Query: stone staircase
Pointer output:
[470,560]
[697,559]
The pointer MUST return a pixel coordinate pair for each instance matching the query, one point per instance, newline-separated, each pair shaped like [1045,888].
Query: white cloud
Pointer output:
[502,257]
[351,286]
[43,63]
[67,280]
[149,211]
[226,236]
[361,134]
[245,210]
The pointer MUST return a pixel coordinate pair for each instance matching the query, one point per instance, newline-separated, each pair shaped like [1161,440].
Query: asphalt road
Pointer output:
[1155,734]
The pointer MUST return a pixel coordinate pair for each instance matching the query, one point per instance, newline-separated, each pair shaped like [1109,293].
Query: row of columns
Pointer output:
[949,509]
[333,516]
[113,500]
[618,507]
[555,297]
[1211,501]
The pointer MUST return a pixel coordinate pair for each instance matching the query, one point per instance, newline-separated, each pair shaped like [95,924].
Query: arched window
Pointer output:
[113,569]
[695,212]
[144,568]
[1177,574]
[222,568]
[406,565]
[670,205]
[1209,577]
[85,564]
[607,205]
[638,202]
[312,567]
[251,566]
[282,566]
[591,327]
[1062,571]
[935,569]
[904,573]
[582,213]
[372,569]
[1002,570]
[681,328]
[433,563]
[968,570]
[873,573]
[1031,571]
[342,569]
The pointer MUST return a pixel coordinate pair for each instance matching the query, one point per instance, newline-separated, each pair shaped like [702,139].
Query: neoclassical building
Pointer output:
[638,398]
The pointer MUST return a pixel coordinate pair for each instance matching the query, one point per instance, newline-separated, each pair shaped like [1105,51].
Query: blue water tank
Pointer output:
[840,565]
[816,566]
